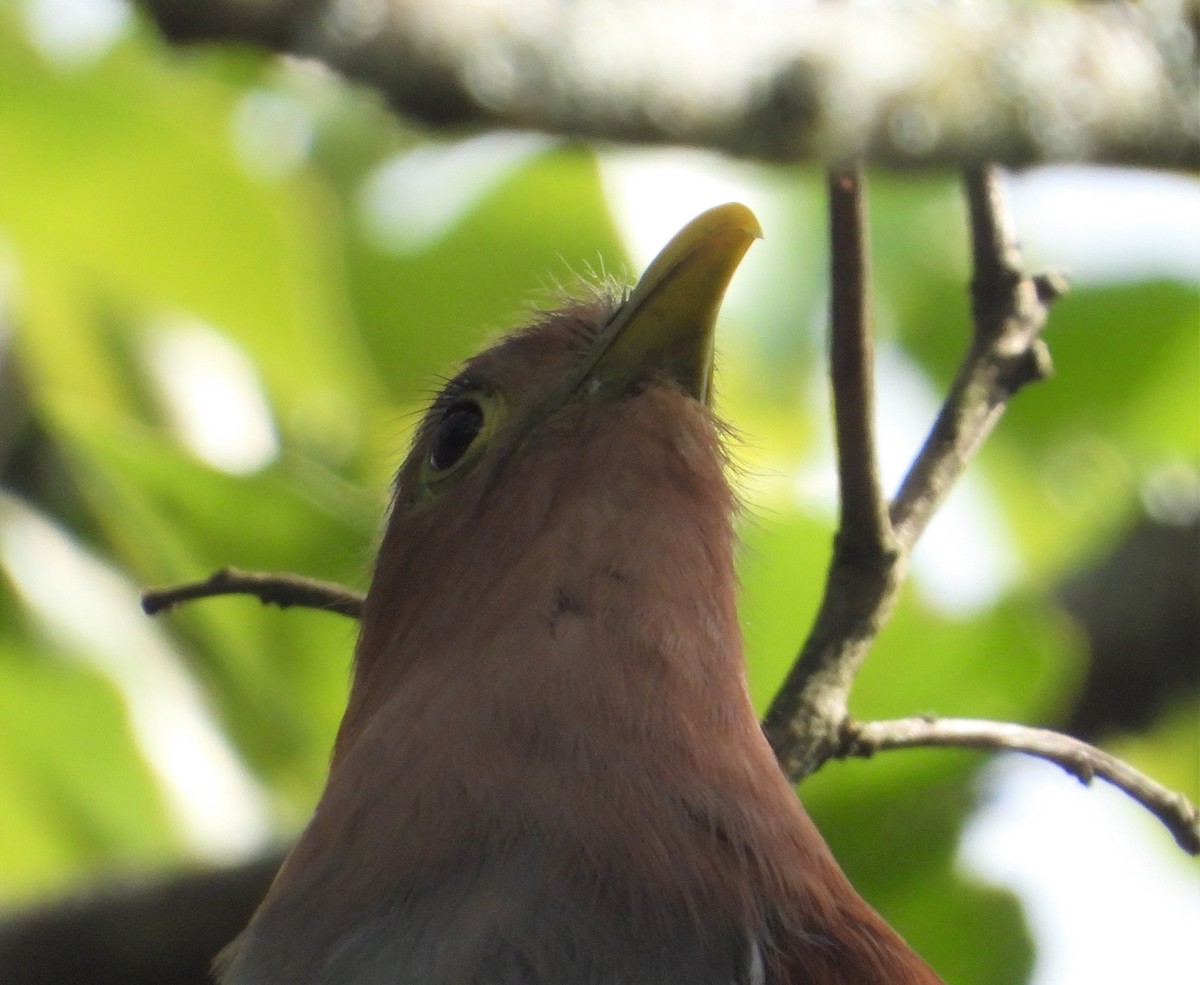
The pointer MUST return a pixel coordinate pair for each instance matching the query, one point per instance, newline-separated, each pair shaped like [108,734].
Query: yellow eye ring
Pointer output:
[457,435]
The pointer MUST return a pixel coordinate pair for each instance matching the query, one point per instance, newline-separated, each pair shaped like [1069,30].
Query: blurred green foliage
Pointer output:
[127,209]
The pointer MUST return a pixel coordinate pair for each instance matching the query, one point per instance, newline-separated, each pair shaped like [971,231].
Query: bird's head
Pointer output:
[578,358]
[580,444]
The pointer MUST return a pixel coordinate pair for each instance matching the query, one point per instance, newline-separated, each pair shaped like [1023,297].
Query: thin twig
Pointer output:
[864,518]
[995,257]
[1081,760]
[803,721]
[1009,310]
[271,589]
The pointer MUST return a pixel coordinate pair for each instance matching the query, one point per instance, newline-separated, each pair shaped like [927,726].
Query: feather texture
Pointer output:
[549,771]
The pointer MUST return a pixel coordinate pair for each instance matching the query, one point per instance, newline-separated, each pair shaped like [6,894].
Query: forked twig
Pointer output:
[808,722]
[869,558]
[864,574]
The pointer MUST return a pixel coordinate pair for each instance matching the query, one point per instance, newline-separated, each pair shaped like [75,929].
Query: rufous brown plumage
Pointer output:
[549,771]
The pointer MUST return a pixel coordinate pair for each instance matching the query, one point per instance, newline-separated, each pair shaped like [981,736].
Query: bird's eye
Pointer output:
[458,428]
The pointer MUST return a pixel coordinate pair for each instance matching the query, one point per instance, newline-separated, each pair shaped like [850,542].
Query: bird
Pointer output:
[549,770]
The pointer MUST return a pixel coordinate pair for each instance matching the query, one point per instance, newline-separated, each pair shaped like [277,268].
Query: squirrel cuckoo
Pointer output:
[549,771]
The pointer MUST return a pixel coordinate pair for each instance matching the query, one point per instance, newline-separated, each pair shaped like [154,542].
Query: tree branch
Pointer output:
[864,516]
[804,721]
[1009,310]
[921,85]
[271,589]
[808,722]
[864,574]
[1081,760]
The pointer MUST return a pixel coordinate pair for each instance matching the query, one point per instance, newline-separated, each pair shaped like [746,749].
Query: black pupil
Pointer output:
[455,432]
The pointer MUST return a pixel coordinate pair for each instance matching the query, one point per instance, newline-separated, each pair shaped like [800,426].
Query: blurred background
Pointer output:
[229,281]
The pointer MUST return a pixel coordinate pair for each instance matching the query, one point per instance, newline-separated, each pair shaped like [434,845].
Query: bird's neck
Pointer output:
[553,675]
[619,557]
